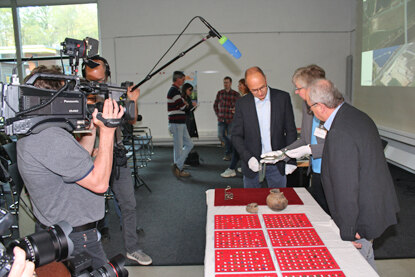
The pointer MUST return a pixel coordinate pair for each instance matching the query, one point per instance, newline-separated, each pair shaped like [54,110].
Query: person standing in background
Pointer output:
[231,172]
[224,107]
[176,110]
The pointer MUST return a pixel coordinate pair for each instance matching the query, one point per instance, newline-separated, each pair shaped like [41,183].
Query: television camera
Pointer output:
[51,245]
[26,109]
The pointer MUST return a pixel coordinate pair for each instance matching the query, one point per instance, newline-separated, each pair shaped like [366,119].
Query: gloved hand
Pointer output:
[289,168]
[299,152]
[272,157]
[254,165]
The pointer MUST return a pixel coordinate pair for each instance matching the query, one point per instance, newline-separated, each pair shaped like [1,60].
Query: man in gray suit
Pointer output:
[356,179]
[311,141]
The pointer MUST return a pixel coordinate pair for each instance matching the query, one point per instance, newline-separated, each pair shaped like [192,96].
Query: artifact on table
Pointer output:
[252,208]
[228,193]
[276,200]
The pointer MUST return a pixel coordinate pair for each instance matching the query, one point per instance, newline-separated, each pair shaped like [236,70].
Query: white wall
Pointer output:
[277,35]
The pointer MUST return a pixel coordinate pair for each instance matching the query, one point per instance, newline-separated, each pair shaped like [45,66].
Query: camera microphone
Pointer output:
[224,41]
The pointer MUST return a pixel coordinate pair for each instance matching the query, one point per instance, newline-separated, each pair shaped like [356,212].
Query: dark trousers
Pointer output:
[316,190]
[123,189]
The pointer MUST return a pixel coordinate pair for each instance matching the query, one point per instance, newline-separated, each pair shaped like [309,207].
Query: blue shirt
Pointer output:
[263,110]
[315,163]
[329,120]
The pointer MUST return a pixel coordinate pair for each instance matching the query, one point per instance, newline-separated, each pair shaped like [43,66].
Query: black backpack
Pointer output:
[193,158]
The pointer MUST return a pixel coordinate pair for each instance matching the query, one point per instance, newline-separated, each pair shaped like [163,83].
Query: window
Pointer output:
[42,29]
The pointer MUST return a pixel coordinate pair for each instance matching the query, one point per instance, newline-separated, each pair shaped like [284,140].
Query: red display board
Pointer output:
[240,239]
[237,221]
[286,221]
[314,274]
[248,275]
[243,260]
[294,237]
[242,197]
[305,258]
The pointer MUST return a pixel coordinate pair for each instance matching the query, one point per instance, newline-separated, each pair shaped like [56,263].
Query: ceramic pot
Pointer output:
[252,208]
[276,200]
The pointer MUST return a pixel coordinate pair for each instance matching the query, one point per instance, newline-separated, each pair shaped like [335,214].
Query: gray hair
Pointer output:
[177,75]
[323,91]
[307,74]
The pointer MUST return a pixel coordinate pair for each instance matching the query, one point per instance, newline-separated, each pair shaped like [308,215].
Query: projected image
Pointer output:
[388,43]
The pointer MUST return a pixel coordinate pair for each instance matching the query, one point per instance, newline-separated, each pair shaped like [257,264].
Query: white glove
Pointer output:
[299,152]
[272,157]
[289,168]
[254,165]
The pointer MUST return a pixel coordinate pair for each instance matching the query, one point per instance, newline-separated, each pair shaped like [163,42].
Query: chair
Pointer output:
[139,148]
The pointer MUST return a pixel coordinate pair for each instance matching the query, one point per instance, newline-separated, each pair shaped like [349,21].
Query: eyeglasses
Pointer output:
[309,111]
[313,105]
[259,89]
[298,88]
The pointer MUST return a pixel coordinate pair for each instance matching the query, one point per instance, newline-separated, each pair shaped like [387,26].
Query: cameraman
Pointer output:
[123,186]
[63,181]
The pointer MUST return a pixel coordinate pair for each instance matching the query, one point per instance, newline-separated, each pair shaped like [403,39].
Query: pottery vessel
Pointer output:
[252,208]
[276,200]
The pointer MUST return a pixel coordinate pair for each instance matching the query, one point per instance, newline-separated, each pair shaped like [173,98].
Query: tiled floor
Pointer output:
[386,268]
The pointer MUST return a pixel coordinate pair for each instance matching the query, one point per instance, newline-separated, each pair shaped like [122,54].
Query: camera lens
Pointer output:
[47,246]
[115,268]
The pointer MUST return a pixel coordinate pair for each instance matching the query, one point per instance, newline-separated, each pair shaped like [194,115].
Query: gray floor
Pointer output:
[386,268]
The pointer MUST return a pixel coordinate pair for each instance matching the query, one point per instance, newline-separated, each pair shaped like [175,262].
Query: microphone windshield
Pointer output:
[230,47]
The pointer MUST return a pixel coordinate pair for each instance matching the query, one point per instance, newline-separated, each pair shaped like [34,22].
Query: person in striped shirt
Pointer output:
[176,110]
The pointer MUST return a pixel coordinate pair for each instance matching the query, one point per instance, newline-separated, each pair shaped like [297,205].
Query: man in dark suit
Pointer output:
[263,121]
[356,179]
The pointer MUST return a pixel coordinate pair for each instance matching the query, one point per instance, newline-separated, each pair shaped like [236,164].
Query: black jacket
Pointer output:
[246,136]
[356,178]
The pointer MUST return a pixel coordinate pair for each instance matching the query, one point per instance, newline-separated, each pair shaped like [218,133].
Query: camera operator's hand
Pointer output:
[133,95]
[110,110]
[21,267]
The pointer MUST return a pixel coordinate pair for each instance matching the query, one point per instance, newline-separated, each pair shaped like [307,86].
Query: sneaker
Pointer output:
[228,173]
[176,170]
[140,257]
[227,158]
[184,173]
[239,169]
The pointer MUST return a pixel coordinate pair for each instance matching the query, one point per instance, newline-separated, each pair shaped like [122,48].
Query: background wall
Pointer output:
[279,36]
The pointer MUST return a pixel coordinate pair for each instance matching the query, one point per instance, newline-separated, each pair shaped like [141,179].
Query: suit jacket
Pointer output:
[305,138]
[357,183]
[246,135]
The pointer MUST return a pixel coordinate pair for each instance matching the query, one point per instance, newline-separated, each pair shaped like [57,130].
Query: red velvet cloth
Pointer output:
[242,197]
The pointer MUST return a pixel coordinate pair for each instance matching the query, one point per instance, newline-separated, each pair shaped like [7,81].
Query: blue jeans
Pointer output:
[235,159]
[273,177]
[182,143]
[367,251]
[224,134]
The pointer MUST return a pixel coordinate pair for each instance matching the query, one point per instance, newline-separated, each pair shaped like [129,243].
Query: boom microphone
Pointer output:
[224,41]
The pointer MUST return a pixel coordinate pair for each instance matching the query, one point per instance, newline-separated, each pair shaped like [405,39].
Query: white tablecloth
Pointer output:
[346,255]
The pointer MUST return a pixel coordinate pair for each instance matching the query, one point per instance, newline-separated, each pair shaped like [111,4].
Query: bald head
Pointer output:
[256,82]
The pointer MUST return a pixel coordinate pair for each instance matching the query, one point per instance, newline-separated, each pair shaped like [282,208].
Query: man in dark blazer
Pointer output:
[356,179]
[263,121]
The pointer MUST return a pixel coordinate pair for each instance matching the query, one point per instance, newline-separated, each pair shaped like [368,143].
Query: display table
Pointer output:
[301,240]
